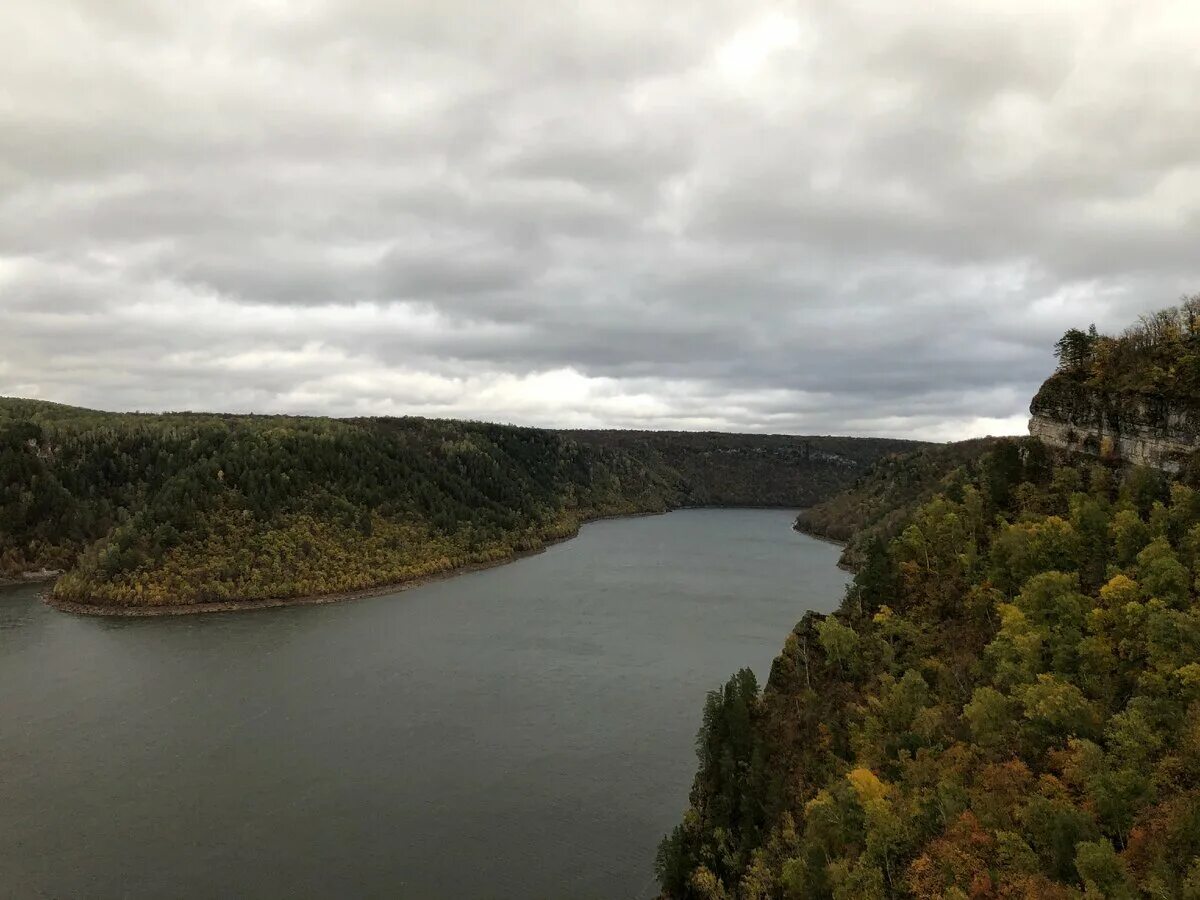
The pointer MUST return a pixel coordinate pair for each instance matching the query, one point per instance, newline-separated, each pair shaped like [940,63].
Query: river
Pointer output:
[524,731]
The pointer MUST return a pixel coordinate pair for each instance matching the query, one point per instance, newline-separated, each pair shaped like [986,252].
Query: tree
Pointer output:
[1102,872]
[1058,708]
[838,641]
[1089,521]
[860,881]
[1074,349]
[989,716]
[955,864]
[673,861]
[1002,470]
[1161,574]
[1054,827]
[1025,549]
[1053,605]
[1129,535]
[1142,487]
[1015,655]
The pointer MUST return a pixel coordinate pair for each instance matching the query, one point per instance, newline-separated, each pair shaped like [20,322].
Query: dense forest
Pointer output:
[882,501]
[159,510]
[1006,704]
[718,469]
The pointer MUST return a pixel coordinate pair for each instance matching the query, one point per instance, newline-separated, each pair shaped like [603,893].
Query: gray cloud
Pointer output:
[803,217]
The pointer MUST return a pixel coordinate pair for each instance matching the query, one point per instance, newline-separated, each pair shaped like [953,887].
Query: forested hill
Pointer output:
[1006,705]
[719,469]
[148,510]
[883,500]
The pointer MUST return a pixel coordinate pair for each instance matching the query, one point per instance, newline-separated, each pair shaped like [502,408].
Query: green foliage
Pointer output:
[155,510]
[1102,871]
[727,796]
[1075,348]
[883,500]
[990,717]
[718,469]
[1159,355]
[1006,705]
[838,641]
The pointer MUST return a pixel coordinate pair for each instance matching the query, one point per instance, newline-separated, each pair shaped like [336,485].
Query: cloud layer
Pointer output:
[800,217]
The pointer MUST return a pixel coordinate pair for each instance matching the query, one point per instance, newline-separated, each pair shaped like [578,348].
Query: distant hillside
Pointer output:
[718,469]
[152,511]
[882,501]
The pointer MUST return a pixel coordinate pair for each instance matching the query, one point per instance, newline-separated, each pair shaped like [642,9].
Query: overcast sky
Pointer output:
[814,217]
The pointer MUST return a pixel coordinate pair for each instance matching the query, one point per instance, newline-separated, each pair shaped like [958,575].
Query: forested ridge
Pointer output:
[719,469]
[1007,702]
[882,500]
[158,510]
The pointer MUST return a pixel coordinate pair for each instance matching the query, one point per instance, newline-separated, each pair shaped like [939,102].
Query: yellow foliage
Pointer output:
[1119,591]
[1189,676]
[706,885]
[866,785]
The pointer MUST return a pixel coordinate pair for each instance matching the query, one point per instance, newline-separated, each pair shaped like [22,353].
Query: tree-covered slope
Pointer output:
[156,510]
[879,503]
[718,469]
[1007,705]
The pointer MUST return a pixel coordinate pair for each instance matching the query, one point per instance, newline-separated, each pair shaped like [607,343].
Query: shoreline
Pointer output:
[28,578]
[819,537]
[220,606]
[844,566]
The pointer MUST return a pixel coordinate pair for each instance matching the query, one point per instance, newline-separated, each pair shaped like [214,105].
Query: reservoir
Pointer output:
[524,731]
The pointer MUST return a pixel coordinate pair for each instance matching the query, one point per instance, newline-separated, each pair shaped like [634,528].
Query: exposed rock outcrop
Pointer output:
[1139,429]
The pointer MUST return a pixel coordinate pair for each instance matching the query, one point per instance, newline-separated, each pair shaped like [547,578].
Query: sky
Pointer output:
[865,218]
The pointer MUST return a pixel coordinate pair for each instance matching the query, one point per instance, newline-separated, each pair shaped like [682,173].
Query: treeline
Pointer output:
[152,510]
[883,500]
[1159,355]
[1006,705]
[718,469]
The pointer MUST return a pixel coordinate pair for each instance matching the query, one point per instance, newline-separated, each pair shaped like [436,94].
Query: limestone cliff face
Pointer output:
[1139,429]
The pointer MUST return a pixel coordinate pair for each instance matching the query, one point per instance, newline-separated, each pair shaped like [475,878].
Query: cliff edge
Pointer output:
[1144,430]
[1134,397]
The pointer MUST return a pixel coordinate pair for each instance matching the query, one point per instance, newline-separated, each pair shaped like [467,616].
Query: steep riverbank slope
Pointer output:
[1007,703]
[152,511]
[883,500]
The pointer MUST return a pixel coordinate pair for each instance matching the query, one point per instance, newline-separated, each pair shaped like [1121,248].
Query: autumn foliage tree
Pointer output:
[1006,705]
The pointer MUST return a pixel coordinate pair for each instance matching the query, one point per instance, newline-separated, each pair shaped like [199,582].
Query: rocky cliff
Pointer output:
[1141,429]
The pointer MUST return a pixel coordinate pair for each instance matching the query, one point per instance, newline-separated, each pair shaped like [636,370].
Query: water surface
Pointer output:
[524,731]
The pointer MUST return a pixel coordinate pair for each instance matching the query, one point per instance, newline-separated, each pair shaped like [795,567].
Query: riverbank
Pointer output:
[220,606]
[841,564]
[29,577]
